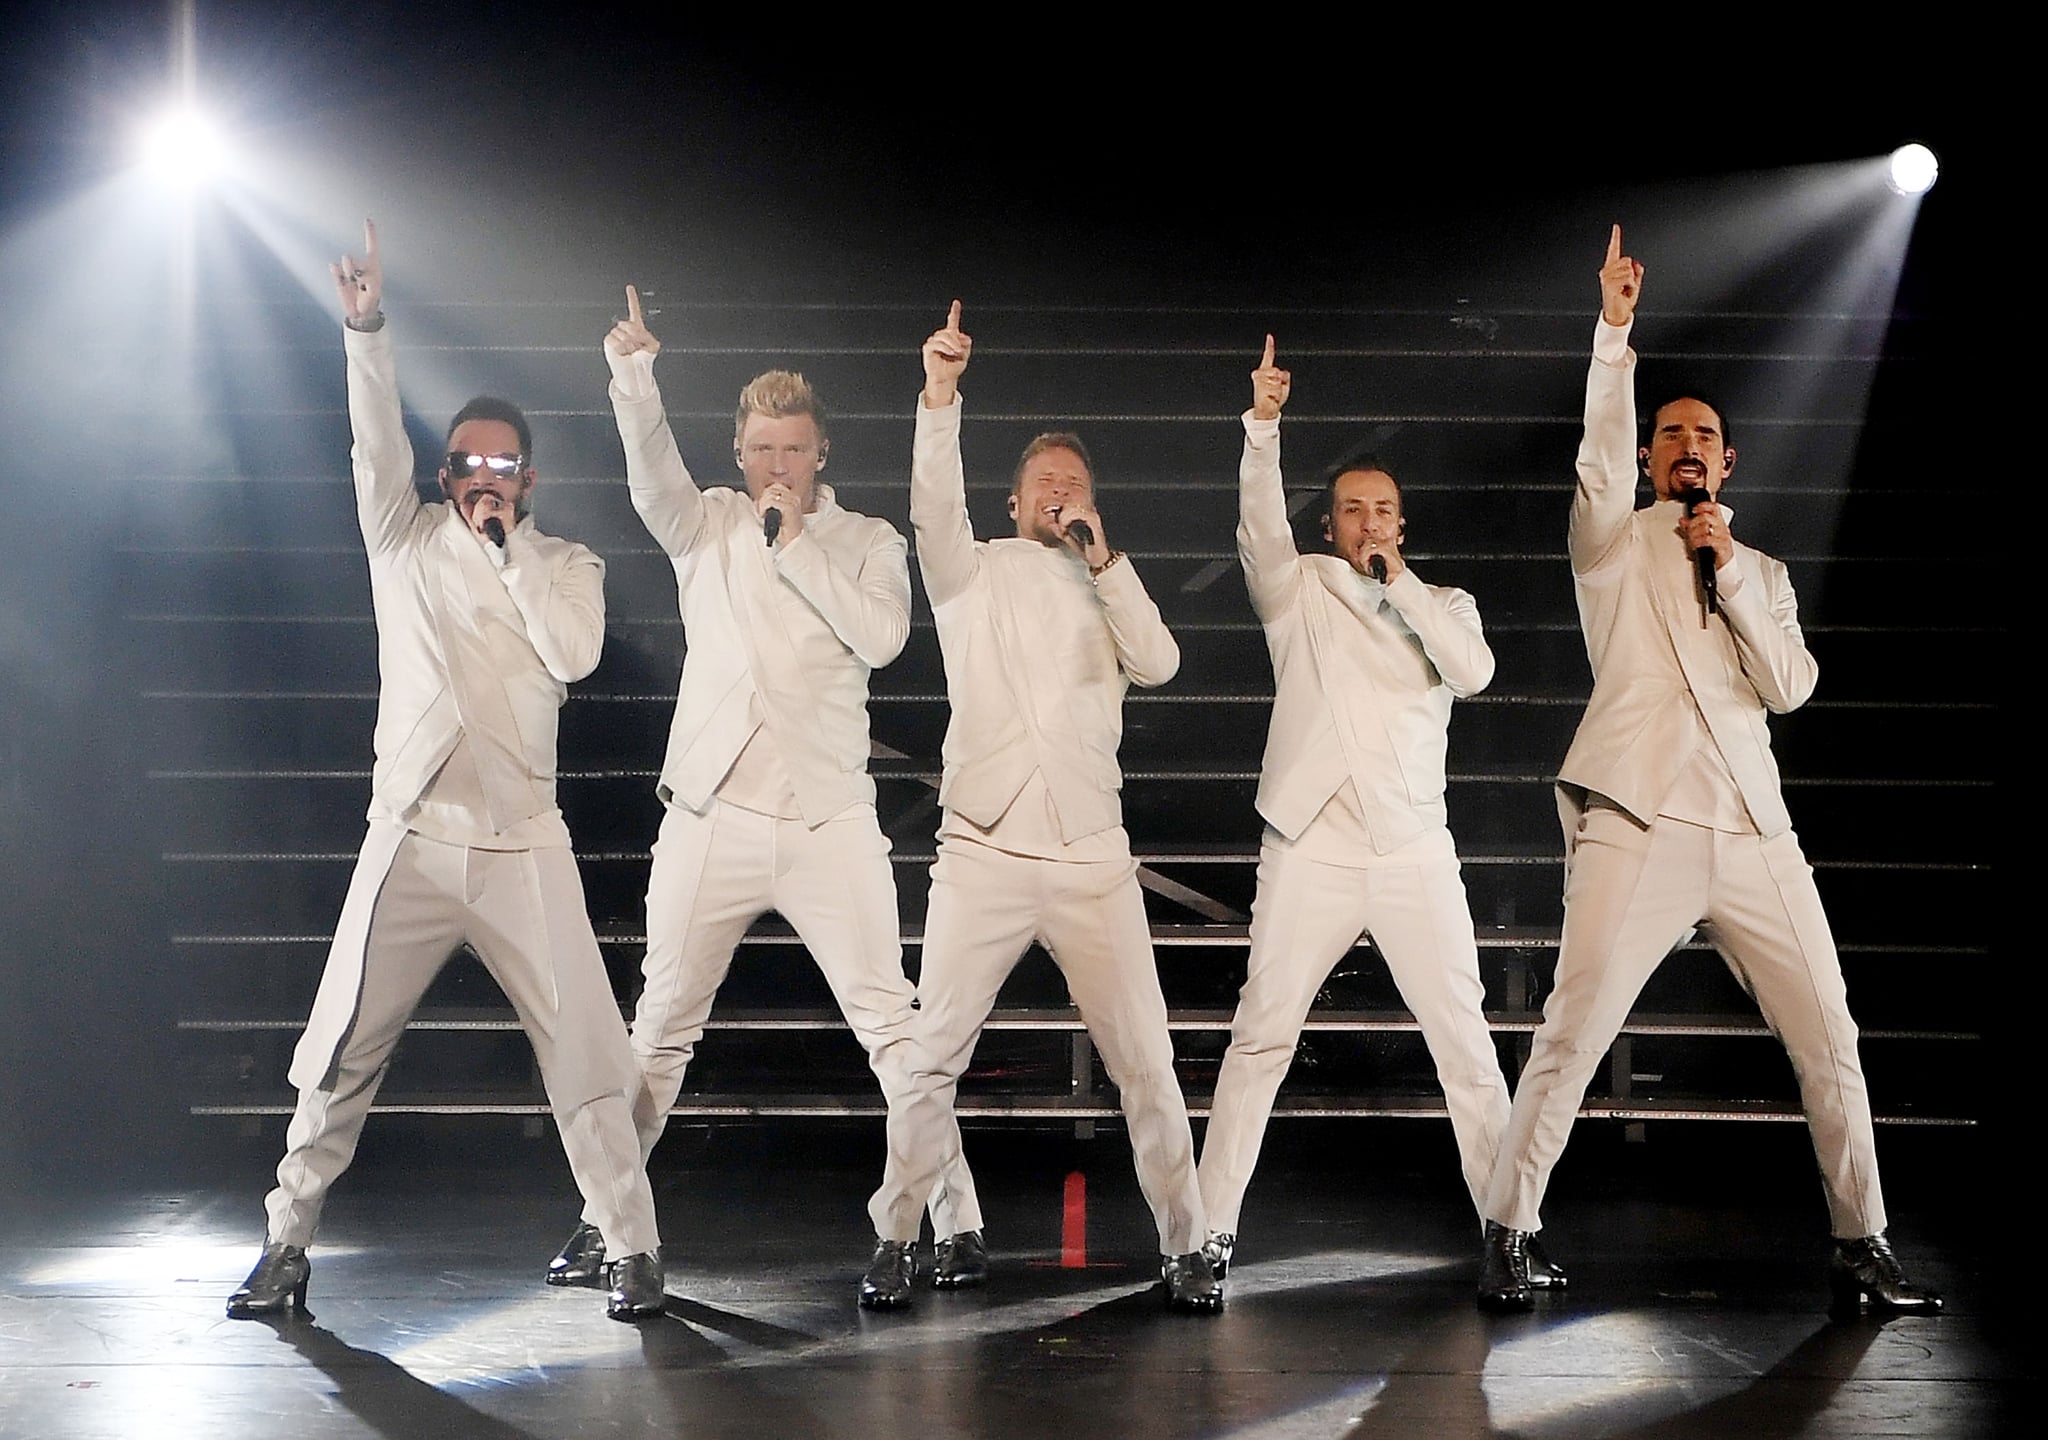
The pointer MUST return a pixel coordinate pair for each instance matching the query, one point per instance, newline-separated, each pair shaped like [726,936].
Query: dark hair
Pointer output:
[1352,465]
[1052,440]
[1648,425]
[490,407]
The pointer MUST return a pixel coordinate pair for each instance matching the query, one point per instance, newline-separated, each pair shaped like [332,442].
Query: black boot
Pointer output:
[1866,1270]
[638,1287]
[277,1283]
[892,1272]
[1191,1286]
[1504,1283]
[582,1258]
[960,1262]
[1544,1272]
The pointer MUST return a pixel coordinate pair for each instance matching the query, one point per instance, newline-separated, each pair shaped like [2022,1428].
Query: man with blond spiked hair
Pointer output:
[788,603]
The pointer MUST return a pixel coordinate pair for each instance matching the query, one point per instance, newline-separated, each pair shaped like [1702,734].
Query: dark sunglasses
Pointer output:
[463,464]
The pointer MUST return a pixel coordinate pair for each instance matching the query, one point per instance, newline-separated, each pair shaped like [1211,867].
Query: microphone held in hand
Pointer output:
[1378,566]
[1080,531]
[494,531]
[1695,496]
[771,525]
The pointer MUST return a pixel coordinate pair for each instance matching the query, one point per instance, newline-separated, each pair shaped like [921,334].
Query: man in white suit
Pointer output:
[1673,814]
[1042,634]
[789,602]
[482,623]
[1366,661]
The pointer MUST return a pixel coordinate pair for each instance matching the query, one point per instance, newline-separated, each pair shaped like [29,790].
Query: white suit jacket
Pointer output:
[1662,681]
[784,637]
[1038,656]
[465,649]
[1363,673]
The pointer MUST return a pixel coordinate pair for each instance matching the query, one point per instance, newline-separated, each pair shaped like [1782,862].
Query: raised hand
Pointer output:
[359,284]
[1621,283]
[1270,385]
[945,356]
[1072,518]
[631,335]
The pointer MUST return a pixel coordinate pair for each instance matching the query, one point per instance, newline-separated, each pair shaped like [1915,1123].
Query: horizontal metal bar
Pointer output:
[969,1107]
[1068,1020]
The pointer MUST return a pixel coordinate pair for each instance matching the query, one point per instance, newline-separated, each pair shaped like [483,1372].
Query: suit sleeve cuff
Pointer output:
[1610,342]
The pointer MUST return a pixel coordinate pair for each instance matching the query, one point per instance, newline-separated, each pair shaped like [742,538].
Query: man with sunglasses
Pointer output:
[482,623]
[789,602]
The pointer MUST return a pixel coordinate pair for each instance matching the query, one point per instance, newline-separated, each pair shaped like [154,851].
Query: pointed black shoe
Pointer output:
[582,1258]
[1191,1285]
[1865,1271]
[891,1276]
[277,1283]
[1544,1272]
[1504,1283]
[1219,1249]
[960,1262]
[637,1287]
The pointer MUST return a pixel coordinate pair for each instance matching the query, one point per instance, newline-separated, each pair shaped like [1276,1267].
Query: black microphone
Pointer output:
[1378,566]
[771,525]
[1695,496]
[1080,531]
[494,530]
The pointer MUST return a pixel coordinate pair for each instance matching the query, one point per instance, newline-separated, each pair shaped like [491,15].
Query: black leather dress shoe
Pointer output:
[277,1283]
[1504,1283]
[637,1287]
[581,1260]
[1544,1272]
[960,1262]
[1191,1286]
[1866,1271]
[891,1275]
[1219,1249]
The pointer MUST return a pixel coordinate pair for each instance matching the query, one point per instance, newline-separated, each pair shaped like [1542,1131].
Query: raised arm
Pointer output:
[663,493]
[1265,539]
[386,503]
[938,482]
[1606,493]
[870,612]
[562,602]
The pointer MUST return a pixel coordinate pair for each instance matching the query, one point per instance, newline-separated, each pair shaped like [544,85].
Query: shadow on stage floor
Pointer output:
[1696,1305]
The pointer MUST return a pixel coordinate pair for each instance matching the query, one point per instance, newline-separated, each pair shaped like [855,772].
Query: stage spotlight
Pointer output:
[183,147]
[1913,170]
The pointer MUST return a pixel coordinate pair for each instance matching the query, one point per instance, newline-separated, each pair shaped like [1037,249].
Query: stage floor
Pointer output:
[1696,1306]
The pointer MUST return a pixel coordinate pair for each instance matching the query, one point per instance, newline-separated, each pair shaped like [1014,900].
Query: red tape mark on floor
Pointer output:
[1074,1224]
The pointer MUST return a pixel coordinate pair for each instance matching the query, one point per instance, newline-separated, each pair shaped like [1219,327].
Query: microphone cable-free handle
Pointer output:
[1703,555]
[771,525]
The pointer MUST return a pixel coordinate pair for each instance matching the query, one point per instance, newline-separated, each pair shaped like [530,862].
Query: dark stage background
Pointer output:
[184,643]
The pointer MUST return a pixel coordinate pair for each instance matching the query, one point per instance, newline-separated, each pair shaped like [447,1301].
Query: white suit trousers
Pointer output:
[986,907]
[713,875]
[1632,894]
[523,913]
[1305,918]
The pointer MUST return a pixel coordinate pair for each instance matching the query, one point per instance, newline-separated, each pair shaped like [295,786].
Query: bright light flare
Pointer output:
[1913,170]
[184,147]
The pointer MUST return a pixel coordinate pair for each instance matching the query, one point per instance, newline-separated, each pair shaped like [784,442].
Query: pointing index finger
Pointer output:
[369,239]
[953,317]
[633,306]
[1614,244]
[1267,362]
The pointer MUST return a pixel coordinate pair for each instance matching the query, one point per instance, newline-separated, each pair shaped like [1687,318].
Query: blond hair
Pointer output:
[778,394]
